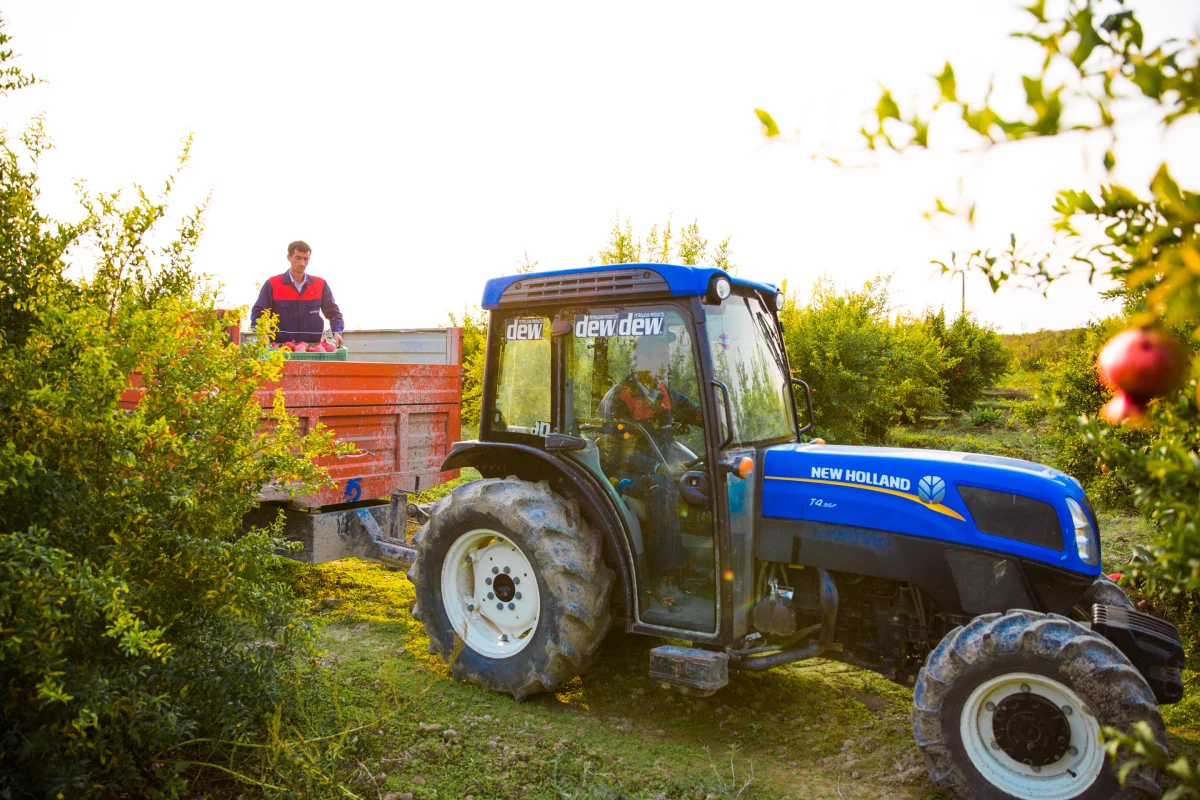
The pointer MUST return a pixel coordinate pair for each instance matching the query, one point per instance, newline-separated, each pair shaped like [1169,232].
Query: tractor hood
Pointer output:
[990,502]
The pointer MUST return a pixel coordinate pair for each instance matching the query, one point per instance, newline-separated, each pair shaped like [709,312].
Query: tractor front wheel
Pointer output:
[511,586]
[1011,705]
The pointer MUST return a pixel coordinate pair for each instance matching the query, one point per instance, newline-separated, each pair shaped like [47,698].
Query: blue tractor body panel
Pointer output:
[682,281]
[918,493]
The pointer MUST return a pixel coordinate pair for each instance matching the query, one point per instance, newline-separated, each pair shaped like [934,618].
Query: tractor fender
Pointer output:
[568,478]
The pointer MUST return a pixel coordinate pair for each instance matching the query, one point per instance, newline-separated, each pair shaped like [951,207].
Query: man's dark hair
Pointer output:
[300,245]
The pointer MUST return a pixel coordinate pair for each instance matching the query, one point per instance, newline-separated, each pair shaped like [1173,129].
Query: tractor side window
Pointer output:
[523,375]
[747,356]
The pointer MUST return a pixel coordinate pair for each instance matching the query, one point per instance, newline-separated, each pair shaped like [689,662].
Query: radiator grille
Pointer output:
[603,284]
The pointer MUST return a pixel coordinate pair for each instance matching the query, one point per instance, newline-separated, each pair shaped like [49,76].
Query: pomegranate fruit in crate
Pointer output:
[300,347]
[1139,364]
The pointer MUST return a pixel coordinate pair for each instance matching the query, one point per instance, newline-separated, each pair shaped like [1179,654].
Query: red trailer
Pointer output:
[397,398]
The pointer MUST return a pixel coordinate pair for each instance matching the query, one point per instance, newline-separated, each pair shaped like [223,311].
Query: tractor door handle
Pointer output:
[728,414]
[808,398]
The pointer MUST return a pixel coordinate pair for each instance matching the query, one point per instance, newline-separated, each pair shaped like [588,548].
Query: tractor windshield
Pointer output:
[748,357]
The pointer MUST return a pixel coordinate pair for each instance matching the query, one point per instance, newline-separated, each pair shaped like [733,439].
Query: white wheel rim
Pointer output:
[483,562]
[1068,777]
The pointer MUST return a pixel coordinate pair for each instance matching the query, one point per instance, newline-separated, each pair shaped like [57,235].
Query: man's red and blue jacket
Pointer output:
[299,312]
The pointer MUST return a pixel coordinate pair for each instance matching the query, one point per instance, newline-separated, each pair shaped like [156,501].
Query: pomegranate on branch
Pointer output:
[1139,364]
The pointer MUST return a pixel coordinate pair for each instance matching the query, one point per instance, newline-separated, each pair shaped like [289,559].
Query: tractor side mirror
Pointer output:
[808,401]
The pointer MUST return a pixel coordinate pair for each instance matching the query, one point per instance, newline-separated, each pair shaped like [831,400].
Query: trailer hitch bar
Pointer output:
[829,607]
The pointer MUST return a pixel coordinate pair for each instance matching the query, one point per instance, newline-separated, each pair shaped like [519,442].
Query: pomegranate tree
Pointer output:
[1139,364]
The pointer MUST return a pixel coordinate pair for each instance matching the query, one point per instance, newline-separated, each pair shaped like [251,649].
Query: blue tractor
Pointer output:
[643,453]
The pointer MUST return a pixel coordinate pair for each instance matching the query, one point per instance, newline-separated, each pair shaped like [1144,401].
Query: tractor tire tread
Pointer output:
[568,556]
[1092,665]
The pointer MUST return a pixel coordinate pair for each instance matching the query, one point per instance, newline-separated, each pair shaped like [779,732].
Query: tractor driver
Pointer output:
[643,397]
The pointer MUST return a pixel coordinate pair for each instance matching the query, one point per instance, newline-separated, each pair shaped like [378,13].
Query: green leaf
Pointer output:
[1110,161]
[1038,10]
[886,108]
[770,129]
[947,84]
[1088,38]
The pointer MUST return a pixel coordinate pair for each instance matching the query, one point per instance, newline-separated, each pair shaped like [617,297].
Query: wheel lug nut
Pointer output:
[491,596]
[1024,686]
[511,606]
[995,745]
[1037,769]
[506,570]
[470,606]
[504,637]
[518,595]
[517,581]
[495,570]
[990,706]
[500,607]
[1068,710]
[488,581]
[1073,750]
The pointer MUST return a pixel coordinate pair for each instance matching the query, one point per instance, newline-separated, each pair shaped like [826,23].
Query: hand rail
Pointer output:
[728,415]
[807,397]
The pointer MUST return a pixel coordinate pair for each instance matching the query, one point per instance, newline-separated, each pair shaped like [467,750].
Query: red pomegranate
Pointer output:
[1123,408]
[1143,363]
[300,347]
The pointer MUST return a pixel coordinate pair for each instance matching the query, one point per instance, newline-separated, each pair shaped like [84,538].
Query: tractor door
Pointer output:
[631,388]
[750,376]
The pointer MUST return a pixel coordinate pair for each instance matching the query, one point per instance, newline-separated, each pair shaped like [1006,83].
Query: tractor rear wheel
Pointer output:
[1011,705]
[511,586]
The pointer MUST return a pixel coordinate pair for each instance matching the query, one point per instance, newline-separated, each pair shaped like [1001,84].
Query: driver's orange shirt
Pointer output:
[641,408]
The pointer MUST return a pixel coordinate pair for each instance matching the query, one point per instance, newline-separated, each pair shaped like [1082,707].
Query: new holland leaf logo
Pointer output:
[931,489]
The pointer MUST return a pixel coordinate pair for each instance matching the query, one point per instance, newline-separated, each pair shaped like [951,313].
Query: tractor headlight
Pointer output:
[1085,535]
[779,301]
[722,288]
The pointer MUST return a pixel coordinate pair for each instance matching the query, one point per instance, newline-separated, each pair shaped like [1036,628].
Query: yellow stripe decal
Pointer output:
[938,507]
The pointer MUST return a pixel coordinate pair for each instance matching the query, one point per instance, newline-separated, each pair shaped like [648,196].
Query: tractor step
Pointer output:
[690,670]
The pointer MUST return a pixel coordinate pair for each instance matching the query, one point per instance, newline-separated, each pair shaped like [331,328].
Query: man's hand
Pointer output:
[337,337]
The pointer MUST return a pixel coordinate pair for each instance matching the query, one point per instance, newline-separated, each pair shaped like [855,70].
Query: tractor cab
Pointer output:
[660,382]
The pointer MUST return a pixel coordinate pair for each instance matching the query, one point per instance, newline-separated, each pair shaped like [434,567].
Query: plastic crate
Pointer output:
[336,355]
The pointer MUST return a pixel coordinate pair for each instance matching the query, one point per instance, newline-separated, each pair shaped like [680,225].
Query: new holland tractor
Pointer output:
[643,454]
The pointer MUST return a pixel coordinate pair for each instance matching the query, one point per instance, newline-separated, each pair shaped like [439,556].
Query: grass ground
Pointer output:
[817,729]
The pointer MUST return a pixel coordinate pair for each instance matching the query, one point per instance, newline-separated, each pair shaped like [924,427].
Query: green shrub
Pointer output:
[868,367]
[474,349]
[981,416]
[134,612]
[974,358]
[1029,413]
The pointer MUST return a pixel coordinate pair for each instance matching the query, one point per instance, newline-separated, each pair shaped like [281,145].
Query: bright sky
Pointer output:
[422,148]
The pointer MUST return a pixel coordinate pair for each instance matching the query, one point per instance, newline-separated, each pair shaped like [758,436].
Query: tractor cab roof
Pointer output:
[605,282]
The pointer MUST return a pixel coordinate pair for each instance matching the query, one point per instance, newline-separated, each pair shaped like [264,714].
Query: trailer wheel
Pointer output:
[1103,591]
[1011,705]
[511,586]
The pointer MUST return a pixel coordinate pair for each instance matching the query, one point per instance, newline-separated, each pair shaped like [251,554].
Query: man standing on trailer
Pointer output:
[299,300]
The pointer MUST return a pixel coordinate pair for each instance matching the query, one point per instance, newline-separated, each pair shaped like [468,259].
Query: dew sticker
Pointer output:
[630,323]
[524,330]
